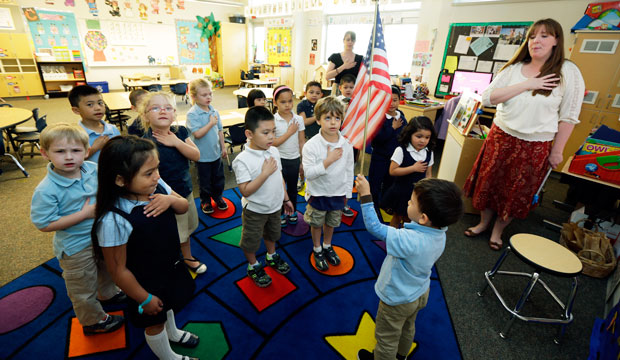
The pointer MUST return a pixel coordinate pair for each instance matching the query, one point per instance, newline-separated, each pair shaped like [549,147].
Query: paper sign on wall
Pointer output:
[462,44]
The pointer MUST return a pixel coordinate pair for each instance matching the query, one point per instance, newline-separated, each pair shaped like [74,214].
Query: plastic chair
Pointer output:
[31,138]
[242,102]
[27,129]
[236,136]
[123,83]
[154,88]
[180,89]
[116,118]
[3,153]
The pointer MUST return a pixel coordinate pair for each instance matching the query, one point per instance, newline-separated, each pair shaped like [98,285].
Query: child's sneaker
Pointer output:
[283,220]
[347,211]
[119,298]
[111,323]
[259,276]
[221,205]
[292,219]
[319,259]
[331,256]
[364,354]
[206,208]
[278,264]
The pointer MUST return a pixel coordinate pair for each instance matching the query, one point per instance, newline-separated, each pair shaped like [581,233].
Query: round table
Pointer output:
[10,117]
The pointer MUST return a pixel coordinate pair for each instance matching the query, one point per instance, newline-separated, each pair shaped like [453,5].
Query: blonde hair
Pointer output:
[60,131]
[329,104]
[197,84]
[146,100]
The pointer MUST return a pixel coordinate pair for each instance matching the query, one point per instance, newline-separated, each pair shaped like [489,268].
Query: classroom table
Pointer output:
[411,111]
[258,83]
[133,84]
[229,117]
[245,91]
[117,101]
[10,117]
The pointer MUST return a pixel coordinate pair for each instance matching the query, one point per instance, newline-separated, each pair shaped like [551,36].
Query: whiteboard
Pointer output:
[124,43]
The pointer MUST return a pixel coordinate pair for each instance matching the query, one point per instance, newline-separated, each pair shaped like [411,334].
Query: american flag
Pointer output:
[380,93]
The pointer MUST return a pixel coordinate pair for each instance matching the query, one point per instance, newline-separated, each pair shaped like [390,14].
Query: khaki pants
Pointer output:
[396,327]
[187,222]
[84,278]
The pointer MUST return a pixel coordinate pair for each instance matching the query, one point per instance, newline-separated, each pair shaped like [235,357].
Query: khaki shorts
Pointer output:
[187,222]
[318,218]
[255,225]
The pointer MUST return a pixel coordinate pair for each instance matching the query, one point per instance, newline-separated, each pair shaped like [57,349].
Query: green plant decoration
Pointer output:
[210,29]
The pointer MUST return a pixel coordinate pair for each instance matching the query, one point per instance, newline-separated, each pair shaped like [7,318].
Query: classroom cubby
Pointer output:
[18,69]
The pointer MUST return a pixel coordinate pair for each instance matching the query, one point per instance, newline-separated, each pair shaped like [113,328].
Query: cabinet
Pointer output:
[231,52]
[59,77]
[18,70]
[597,53]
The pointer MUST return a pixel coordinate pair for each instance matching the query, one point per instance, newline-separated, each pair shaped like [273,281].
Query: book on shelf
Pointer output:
[465,114]
[78,74]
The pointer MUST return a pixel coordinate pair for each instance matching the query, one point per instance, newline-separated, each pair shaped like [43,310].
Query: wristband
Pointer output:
[145,302]
[285,201]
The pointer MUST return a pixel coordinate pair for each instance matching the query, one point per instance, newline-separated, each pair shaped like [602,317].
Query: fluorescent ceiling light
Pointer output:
[221,2]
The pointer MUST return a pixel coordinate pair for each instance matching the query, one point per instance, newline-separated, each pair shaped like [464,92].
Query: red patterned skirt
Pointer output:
[507,174]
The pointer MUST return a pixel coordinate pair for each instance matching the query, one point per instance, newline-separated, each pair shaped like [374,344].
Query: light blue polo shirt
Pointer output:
[108,129]
[411,253]
[209,145]
[57,196]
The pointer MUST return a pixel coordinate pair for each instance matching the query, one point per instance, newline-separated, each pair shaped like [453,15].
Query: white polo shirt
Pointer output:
[290,148]
[247,166]
[398,155]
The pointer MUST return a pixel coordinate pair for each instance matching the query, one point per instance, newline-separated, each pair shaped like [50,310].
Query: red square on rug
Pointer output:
[349,219]
[80,344]
[263,298]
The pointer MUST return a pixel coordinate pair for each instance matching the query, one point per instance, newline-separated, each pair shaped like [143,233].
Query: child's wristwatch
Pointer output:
[145,302]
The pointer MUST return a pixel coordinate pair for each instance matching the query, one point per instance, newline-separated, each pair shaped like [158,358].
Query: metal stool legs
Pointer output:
[491,274]
[567,311]
[526,293]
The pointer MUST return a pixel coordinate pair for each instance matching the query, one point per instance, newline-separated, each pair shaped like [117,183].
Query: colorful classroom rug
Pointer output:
[303,315]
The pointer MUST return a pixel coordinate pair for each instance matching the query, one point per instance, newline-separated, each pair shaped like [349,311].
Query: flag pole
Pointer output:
[372,55]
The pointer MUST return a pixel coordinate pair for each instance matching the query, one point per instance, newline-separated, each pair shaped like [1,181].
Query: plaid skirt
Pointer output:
[507,174]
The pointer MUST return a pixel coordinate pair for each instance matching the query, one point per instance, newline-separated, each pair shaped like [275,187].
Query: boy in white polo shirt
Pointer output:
[259,176]
[328,166]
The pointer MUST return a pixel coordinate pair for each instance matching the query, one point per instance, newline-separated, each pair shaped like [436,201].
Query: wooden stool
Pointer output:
[545,256]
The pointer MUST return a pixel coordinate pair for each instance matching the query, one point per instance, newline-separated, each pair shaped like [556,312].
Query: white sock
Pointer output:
[173,332]
[326,246]
[160,346]
[318,249]
[253,265]
[270,256]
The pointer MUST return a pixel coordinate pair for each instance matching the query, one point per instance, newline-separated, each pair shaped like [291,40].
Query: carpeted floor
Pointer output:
[305,314]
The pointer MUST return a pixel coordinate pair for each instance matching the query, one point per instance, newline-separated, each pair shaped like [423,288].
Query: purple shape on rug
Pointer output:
[299,229]
[380,243]
[21,307]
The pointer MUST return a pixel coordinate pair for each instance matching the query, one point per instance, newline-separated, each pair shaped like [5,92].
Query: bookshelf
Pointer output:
[18,71]
[59,77]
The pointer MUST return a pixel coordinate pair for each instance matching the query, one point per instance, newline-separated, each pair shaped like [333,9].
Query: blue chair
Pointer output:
[31,138]
[154,88]
[180,89]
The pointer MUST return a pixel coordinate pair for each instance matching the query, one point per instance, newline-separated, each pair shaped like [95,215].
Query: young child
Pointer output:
[404,280]
[411,162]
[290,139]
[87,102]
[305,108]
[383,146]
[347,84]
[175,149]
[135,232]
[64,202]
[205,125]
[328,164]
[258,172]
[256,97]
[135,98]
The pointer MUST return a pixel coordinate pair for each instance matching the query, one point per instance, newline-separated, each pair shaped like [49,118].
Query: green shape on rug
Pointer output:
[230,237]
[213,344]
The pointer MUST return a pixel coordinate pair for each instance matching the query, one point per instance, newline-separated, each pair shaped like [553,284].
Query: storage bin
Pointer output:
[102,86]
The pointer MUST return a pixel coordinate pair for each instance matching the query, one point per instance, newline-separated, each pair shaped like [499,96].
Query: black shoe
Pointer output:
[401,357]
[347,211]
[331,256]
[319,259]
[187,340]
[206,208]
[119,298]
[221,205]
[110,324]
[278,264]
[259,276]
[364,354]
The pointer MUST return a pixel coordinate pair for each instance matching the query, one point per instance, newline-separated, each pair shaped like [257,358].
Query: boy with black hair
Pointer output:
[404,280]
[305,108]
[87,102]
[259,176]
[135,98]
[347,84]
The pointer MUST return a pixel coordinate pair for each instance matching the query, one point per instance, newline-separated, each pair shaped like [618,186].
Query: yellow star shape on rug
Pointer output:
[364,338]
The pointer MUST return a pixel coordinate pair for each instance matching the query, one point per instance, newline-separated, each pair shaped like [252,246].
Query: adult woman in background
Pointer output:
[345,62]
[538,96]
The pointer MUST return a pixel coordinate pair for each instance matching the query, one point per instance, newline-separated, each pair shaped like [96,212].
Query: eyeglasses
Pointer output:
[157,109]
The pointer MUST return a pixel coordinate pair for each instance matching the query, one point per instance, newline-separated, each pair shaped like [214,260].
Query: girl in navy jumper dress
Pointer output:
[135,231]
[411,162]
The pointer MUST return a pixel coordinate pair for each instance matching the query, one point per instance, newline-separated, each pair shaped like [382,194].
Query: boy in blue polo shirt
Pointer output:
[404,280]
[87,102]
[64,203]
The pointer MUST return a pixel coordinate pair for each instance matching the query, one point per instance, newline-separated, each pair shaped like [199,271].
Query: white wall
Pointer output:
[440,14]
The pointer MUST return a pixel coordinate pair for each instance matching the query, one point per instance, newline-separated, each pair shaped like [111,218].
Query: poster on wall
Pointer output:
[191,50]
[279,45]
[54,32]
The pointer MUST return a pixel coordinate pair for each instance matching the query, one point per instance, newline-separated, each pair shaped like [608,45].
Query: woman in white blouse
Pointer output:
[538,96]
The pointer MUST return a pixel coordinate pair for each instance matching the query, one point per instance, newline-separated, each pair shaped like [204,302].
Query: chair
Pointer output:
[236,136]
[242,102]
[116,118]
[545,256]
[123,83]
[180,89]
[154,88]
[31,138]
[27,129]
[3,153]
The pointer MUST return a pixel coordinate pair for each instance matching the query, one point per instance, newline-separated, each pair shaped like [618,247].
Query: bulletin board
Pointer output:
[192,51]
[54,33]
[279,45]
[479,48]
[124,43]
